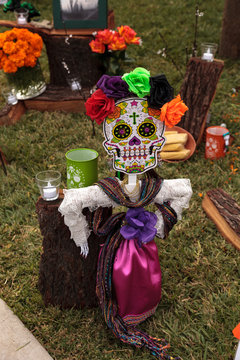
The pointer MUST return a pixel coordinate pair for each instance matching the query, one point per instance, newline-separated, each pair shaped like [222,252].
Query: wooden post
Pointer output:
[66,279]
[197,91]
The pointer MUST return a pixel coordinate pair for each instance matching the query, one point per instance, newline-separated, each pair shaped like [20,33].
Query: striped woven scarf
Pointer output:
[104,289]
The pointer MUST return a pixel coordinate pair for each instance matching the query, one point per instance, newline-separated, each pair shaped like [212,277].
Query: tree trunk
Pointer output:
[197,91]
[230,37]
[66,279]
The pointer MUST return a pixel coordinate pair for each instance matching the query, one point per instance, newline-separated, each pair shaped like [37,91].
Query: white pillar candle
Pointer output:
[50,192]
[22,20]
[207,56]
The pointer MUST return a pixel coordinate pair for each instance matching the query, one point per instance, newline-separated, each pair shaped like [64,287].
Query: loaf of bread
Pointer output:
[174,155]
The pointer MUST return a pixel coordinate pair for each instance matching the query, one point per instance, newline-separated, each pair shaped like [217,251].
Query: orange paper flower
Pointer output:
[117,43]
[97,46]
[105,36]
[172,111]
[128,34]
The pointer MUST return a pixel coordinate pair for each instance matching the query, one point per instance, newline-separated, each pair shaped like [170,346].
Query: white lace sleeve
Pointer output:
[75,200]
[179,193]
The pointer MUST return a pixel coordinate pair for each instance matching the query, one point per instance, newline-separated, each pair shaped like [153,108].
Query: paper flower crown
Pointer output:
[157,90]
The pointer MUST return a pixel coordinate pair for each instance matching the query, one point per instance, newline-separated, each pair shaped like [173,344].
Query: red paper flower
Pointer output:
[99,106]
[97,46]
[105,36]
[172,111]
[117,43]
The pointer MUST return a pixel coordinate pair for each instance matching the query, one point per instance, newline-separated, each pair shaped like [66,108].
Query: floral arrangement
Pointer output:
[19,48]
[157,90]
[114,40]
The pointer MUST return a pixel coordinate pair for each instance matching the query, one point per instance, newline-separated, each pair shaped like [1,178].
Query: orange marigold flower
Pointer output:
[30,60]
[22,45]
[1,54]
[10,35]
[127,33]
[105,36]
[9,66]
[9,47]
[2,39]
[172,111]
[18,58]
[97,46]
[116,113]
[117,43]
[37,42]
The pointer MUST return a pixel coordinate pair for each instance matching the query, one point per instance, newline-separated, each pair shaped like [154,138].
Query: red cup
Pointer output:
[215,147]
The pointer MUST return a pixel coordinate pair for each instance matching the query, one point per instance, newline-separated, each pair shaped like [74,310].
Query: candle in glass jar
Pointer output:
[22,20]
[49,192]
[12,100]
[207,56]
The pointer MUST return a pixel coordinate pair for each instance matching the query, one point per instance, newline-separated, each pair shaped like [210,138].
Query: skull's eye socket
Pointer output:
[122,131]
[147,129]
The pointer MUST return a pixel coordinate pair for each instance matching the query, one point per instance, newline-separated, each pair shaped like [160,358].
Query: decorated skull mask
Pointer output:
[134,135]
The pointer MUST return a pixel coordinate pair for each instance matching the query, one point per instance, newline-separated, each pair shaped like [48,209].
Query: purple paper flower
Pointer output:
[113,86]
[140,225]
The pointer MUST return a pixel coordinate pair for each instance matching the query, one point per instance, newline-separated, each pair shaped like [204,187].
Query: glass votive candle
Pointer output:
[21,15]
[10,96]
[208,51]
[48,183]
[74,84]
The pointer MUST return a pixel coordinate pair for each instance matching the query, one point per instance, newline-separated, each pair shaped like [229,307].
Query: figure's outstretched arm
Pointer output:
[178,193]
[75,200]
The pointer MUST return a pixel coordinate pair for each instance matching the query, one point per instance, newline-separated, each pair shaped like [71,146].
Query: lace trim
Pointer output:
[178,192]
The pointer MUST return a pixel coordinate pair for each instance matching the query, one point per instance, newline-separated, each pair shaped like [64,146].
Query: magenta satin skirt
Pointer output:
[137,280]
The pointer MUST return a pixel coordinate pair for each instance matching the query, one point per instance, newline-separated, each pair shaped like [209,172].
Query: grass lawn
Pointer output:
[200,291]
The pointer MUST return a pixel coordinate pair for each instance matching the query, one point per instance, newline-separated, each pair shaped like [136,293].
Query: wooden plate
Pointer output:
[190,144]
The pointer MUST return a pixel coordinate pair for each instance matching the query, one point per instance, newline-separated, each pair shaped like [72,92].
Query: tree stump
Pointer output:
[197,91]
[10,114]
[224,211]
[230,44]
[66,279]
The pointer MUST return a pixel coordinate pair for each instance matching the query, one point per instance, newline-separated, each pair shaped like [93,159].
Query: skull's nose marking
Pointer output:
[134,116]
[134,141]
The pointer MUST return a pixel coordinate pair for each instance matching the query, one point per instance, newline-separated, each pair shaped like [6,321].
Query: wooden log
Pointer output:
[230,44]
[3,161]
[11,114]
[59,98]
[66,279]
[224,211]
[198,90]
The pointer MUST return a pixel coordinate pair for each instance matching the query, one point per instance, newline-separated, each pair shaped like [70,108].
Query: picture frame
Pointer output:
[80,14]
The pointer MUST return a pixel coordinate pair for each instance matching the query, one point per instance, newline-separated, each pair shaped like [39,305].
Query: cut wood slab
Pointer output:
[224,211]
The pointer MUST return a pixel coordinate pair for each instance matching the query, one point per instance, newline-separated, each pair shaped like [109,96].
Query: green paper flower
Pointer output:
[138,81]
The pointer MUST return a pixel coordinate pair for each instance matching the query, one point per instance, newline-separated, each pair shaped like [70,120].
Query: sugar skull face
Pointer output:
[134,134]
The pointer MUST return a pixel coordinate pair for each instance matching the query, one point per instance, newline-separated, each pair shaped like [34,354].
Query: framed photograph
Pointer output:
[80,14]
